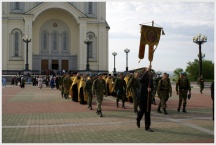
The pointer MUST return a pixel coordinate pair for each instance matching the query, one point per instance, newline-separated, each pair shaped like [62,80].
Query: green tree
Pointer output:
[207,69]
[177,72]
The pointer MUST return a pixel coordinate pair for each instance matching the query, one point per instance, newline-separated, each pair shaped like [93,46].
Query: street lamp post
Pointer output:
[87,42]
[200,40]
[127,51]
[27,41]
[202,55]
[114,54]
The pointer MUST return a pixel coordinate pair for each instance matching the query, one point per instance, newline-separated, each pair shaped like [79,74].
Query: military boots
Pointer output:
[138,119]
[138,122]
[165,112]
[123,105]
[159,106]
[158,110]
[101,115]
[65,96]
[135,110]
[179,107]
[90,106]
[184,109]
[153,101]
[97,112]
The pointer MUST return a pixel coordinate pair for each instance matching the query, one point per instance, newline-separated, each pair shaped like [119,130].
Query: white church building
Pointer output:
[57,31]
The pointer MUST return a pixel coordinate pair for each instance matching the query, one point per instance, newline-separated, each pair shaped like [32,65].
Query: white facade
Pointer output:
[57,31]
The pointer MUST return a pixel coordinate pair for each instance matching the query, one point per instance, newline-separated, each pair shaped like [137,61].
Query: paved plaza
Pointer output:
[33,115]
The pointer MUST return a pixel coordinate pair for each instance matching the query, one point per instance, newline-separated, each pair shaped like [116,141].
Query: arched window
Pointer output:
[55,41]
[65,41]
[90,8]
[91,36]
[45,40]
[16,39]
[16,45]
[17,5]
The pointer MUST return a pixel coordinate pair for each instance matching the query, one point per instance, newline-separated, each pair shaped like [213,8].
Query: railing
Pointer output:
[19,72]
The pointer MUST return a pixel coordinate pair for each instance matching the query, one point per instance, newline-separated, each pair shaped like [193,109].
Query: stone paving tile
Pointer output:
[119,134]
[34,115]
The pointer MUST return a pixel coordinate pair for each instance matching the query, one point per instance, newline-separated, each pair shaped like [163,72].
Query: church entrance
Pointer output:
[55,65]
[64,64]
[44,64]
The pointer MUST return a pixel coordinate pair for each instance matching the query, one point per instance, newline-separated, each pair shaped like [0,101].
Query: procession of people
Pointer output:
[139,87]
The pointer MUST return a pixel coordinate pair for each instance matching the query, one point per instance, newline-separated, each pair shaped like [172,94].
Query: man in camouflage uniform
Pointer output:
[66,85]
[156,79]
[182,88]
[155,86]
[88,90]
[163,90]
[62,86]
[134,85]
[98,90]
[60,81]
[120,89]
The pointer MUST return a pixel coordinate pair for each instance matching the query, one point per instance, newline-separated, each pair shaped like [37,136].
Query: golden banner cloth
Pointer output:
[151,36]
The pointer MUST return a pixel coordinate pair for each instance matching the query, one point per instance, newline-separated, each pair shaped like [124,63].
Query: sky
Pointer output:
[181,21]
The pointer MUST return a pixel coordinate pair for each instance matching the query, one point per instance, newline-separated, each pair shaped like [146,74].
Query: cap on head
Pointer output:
[183,73]
[121,74]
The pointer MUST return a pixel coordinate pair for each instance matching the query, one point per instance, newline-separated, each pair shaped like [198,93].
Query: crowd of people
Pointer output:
[142,86]
[139,87]
[18,81]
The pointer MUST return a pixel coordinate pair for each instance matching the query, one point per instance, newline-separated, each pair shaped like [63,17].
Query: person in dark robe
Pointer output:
[144,98]
[57,82]
[75,89]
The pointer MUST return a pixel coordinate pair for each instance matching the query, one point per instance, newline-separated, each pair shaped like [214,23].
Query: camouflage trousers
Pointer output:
[201,87]
[134,96]
[89,95]
[182,97]
[66,92]
[62,90]
[99,99]
[163,99]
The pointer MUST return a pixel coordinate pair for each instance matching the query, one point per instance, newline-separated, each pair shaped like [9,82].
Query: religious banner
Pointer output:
[149,35]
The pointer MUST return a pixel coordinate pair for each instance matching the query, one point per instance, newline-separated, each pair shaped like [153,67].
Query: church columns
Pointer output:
[5,44]
[59,63]
[81,56]
[49,64]
[102,45]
